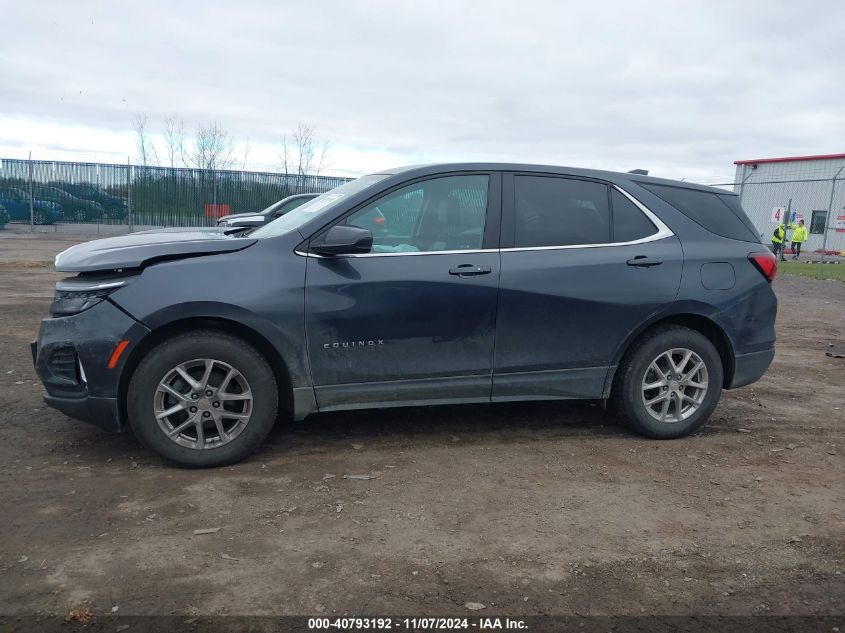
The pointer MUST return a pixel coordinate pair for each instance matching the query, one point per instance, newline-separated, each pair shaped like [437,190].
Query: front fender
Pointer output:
[255,288]
[290,348]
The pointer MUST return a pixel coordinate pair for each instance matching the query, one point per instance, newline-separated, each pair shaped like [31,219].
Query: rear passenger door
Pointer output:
[583,264]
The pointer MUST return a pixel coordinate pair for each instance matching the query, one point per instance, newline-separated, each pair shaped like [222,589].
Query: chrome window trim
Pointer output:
[662,233]
[459,252]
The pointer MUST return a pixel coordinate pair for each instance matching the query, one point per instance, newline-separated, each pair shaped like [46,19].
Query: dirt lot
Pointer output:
[528,509]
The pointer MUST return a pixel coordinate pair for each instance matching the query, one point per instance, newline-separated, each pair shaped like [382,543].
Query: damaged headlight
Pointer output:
[76,294]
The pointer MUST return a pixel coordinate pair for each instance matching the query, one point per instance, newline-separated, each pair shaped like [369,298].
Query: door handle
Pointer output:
[469,270]
[644,262]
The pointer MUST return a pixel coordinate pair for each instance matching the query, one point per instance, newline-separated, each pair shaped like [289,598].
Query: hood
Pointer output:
[138,249]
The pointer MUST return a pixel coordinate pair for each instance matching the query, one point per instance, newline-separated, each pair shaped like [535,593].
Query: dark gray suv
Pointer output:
[422,285]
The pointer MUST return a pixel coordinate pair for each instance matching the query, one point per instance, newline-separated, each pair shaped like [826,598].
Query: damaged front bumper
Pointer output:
[75,358]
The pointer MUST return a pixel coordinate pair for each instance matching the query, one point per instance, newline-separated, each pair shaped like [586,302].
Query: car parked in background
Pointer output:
[72,207]
[275,210]
[114,207]
[484,283]
[16,202]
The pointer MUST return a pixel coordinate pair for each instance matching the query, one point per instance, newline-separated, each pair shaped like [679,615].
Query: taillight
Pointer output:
[766,263]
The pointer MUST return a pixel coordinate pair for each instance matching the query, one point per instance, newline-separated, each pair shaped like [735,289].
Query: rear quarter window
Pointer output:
[706,209]
[733,203]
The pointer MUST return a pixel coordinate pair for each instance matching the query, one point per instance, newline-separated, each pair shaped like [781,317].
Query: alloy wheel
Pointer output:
[674,385]
[203,403]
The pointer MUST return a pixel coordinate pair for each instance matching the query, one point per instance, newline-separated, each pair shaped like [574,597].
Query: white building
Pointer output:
[802,183]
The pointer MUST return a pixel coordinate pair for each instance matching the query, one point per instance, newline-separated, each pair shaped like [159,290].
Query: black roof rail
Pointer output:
[639,172]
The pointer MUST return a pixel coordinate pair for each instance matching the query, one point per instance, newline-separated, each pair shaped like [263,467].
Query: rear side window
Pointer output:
[560,212]
[705,208]
[629,223]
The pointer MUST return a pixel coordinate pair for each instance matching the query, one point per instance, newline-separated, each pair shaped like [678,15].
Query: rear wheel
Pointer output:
[203,399]
[669,382]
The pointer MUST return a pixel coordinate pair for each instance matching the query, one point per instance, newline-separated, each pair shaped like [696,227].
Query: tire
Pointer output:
[250,396]
[636,373]
[39,217]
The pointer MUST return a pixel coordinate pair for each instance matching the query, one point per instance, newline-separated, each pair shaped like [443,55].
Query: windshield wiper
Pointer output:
[242,230]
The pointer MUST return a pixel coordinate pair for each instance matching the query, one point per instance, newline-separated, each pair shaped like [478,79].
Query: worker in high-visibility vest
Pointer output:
[777,240]
[799,236]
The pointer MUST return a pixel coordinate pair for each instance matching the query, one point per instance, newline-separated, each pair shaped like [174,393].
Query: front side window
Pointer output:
[817,222]
[439,214]
[554,211]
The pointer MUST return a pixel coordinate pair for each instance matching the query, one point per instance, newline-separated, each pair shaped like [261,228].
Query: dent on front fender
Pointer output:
[238,288]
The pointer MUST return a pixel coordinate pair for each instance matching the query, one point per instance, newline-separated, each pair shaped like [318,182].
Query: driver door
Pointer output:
[414,320]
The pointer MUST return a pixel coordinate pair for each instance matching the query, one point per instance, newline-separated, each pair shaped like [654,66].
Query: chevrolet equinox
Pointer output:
[438,284]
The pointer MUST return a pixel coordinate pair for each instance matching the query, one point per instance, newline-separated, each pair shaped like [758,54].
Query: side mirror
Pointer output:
[344,240]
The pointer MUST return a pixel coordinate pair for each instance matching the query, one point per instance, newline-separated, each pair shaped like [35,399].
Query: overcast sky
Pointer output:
[682,88]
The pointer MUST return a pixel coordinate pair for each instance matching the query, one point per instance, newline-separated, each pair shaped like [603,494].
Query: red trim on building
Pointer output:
[788,159]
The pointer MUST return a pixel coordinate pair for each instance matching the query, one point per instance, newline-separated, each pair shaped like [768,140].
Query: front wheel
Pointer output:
[669,382]
[203,399]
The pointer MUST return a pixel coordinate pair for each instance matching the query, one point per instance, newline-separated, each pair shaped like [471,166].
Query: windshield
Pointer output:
[315,208]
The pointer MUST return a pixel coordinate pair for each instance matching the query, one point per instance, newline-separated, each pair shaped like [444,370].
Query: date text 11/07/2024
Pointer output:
[414,624]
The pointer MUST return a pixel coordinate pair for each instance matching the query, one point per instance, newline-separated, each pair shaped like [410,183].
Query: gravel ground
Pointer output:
[525,508]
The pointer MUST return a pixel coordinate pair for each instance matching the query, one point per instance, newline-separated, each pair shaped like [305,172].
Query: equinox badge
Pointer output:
[370,343]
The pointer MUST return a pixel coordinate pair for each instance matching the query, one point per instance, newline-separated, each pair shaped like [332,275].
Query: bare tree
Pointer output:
[174,139]
[303,155]
[211,151]
[144,145]
[213,148]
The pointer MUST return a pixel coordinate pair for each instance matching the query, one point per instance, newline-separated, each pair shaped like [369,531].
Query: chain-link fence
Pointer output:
[49,193]
[130,197]
[784,194]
